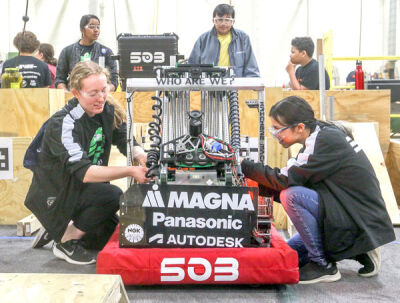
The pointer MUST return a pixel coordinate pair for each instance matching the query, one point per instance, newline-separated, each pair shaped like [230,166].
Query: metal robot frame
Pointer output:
[206,144]
[203,140]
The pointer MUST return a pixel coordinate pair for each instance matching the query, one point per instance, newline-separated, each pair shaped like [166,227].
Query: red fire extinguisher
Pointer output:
[359,75]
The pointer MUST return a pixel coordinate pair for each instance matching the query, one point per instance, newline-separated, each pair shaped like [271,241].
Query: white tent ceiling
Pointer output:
[270,24]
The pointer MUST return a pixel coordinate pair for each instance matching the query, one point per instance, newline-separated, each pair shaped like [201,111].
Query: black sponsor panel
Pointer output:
[140,53]
[187,216]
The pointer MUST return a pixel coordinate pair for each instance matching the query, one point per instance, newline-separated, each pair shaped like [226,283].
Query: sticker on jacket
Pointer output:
[97,146]
[50,201]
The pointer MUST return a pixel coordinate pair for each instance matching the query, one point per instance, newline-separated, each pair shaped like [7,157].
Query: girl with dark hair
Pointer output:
[46,54]
[86,49]
[329,191]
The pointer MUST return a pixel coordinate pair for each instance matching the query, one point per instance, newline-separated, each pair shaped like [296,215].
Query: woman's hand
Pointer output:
[139,174]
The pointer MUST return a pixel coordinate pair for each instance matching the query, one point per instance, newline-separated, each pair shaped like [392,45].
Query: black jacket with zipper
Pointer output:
[352,212]
[63,161]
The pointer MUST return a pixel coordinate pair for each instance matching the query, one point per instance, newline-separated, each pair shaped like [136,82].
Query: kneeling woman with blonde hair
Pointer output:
[70,192]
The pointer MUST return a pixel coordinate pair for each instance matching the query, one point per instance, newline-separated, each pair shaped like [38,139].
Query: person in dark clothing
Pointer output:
[351,77]
[329,191]
[35,73]
[225,46]
[86,49]
[307,74]
[70,193]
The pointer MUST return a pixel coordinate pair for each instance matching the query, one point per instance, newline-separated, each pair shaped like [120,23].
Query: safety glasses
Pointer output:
[276,132]
[94,94]
[224,20]
[93,26]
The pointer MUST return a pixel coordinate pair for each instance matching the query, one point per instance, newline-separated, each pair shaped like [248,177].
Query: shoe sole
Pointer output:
[61,255]
[375,257]
[323,279]
[38,238]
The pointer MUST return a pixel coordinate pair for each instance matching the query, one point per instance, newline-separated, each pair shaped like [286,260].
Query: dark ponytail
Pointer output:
[48,53]
[292,110]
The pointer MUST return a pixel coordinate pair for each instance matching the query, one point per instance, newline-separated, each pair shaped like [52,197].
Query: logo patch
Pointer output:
[210,200]
[147,57]
[97,146]
[50,201]
[134,233]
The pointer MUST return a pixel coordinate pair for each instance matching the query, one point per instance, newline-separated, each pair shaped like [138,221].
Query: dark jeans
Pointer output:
[95,213]
[301,205]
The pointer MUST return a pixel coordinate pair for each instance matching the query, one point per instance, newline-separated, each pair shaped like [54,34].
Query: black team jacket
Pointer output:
[352,213]
[63,162]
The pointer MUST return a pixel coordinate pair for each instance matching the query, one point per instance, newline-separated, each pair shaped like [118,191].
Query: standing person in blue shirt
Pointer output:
[86,49]
[306,76]
[225,46]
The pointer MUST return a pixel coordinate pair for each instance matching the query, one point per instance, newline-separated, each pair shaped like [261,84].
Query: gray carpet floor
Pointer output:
[17,256]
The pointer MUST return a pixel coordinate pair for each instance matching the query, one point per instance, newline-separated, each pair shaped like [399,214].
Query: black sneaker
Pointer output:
[314,273]
[371,261]
[41,239]
[73,252]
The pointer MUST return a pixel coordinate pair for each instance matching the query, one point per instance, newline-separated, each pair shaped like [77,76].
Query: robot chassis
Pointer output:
[200,147]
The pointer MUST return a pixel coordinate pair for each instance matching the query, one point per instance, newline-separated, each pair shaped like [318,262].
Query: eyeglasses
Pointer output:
[94,94]
[224,20]
[93,26]
[275,132]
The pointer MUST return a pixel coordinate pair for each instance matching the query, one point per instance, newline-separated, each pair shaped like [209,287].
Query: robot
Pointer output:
[201,147]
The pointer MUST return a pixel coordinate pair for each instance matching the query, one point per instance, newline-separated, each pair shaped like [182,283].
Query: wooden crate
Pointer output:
[393,165]
[13,192]
[39,288]
[24,110]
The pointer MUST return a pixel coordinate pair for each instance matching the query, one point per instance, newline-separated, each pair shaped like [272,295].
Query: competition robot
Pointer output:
[194,156]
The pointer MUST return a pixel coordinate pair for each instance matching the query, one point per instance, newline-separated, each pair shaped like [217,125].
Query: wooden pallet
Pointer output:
[39,288]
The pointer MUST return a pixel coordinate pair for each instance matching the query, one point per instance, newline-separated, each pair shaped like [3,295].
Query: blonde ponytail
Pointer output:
[119,112]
